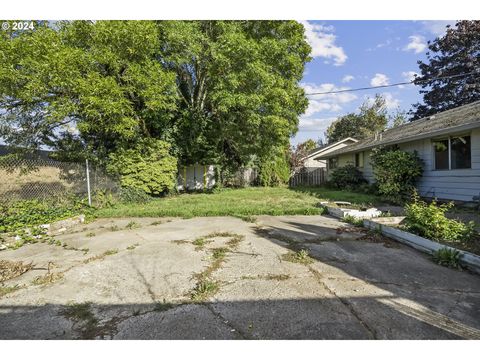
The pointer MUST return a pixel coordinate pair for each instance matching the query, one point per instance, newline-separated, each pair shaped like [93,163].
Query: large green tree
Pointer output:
[372,117]
[84,87]
[217,91]
[455,53]
[238,85]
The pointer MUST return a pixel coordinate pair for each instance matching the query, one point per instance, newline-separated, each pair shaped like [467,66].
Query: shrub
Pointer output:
[274,170]
[147,166]
[346,177]
[429,220]
[395,171]
[447,257]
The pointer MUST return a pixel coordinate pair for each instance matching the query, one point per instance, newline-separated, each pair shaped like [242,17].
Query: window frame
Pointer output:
[361,159]
[449,152]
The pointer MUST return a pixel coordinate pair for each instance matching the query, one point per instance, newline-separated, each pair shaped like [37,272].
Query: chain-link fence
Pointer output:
[43,178]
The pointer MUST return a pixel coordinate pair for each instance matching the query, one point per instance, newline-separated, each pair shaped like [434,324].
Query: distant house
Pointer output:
[312,161]
[448,143]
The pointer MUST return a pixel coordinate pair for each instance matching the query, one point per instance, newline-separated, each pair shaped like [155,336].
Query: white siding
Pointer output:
[458,184]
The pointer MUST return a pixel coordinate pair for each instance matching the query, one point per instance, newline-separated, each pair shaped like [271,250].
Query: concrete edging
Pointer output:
[467,259]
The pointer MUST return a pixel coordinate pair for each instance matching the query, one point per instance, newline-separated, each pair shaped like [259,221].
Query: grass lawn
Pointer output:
[240,202]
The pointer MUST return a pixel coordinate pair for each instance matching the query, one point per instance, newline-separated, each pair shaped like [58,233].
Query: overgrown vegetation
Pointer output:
[346,177]
[246,202]
[429,220]
[447,257]
[148,166]
[301,256]
[395,172]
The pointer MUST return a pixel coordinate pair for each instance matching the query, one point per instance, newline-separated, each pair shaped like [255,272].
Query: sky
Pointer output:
[353,54]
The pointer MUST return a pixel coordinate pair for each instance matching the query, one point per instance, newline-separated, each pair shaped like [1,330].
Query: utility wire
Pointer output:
[391,85]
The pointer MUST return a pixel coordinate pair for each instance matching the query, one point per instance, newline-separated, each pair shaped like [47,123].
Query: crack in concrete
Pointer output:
[371,332]
[219,316]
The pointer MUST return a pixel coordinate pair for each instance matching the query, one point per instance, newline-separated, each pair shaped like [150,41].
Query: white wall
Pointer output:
[195,177]
[457,184]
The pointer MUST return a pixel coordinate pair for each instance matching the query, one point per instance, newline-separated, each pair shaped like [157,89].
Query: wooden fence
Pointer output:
[305,178]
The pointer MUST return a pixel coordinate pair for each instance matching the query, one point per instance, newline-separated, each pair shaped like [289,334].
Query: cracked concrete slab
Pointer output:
[136,282]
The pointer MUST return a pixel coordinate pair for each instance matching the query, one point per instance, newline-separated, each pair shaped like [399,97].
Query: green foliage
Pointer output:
[147,166]
[447,257]
[346,177]
[395,171]
[429,220]
[21,219]
[371,118]
[353,220]
[102,78]
[133,195]
[454,53]
[274,169]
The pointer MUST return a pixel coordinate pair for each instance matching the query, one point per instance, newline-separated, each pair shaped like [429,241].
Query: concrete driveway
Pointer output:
[224,278]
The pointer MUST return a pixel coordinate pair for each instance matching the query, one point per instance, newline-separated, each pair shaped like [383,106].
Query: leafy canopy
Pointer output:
[455,53]
[83,87]
[372,117]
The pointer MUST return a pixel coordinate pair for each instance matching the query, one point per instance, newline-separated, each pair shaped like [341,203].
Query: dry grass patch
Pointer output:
[47,278]
[12,269]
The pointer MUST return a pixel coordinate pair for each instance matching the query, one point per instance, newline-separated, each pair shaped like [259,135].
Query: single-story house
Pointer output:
[312,161]
[448,143]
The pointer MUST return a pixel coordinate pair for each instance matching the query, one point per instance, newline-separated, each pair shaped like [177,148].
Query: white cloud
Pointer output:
[409,75]
[390,101]
[348,78]
[316,124]
[379,80]
[417,44]
[322,41]
[326,102]
[437,27]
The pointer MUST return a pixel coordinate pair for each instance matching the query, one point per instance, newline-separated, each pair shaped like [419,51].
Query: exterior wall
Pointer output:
[312,164]
[195,177]
[456,184]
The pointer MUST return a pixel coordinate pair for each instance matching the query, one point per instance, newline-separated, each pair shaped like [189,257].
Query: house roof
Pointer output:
[461,118]
[324,149]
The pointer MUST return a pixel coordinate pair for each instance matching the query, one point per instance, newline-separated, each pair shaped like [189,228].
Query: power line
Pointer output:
[391,85]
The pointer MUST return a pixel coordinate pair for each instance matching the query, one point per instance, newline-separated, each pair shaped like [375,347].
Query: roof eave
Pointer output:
[440,132]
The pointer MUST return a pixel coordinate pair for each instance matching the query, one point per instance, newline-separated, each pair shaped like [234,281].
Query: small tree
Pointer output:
[147,166]
[274,169]
[396,171]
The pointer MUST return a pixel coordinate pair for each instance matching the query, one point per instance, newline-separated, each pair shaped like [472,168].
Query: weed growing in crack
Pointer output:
[300,257]
[4,290]
[353,220]
[47,278]
[82,315]
[163,306]
[101,256]
[114,228]
[204,289]
[200,243]
[132,247]
[132,225]
[447,257]
[90,234]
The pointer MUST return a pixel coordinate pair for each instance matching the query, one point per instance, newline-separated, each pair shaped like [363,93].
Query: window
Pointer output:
[332,163]
[359,159]
[441,154]
[461,157]
[453,153]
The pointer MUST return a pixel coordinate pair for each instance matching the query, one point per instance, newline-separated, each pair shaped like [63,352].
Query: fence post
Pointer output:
[88,183]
